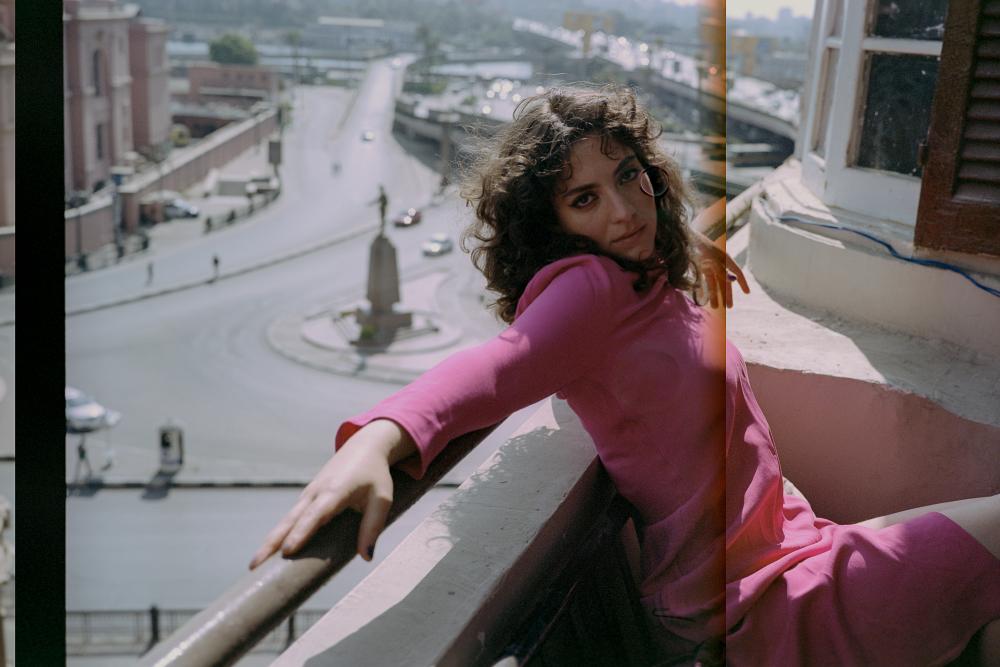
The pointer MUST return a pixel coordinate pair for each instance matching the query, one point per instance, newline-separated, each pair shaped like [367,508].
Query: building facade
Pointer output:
[6,113]
[359,36]
[97,93]
[236,85]
[115,89]
[150,74]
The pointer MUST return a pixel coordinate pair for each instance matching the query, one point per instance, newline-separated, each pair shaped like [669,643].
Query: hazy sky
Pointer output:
[768,8]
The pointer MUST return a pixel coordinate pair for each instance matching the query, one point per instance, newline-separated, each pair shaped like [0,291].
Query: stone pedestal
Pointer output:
[381,321]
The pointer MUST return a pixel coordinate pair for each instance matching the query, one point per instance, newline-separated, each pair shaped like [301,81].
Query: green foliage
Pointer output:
[425,86]
[233,49]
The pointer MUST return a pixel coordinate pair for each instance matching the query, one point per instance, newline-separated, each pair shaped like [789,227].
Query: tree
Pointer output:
[233,49]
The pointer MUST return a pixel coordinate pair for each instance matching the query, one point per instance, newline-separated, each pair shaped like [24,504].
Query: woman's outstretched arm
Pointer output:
[559,335]
[356,477]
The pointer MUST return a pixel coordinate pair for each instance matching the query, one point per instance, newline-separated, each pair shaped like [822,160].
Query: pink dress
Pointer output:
[668,404]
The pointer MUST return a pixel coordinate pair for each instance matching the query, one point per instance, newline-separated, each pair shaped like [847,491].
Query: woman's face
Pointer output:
[602,200]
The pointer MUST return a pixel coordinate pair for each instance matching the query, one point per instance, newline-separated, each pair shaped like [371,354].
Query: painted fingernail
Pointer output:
[371,551]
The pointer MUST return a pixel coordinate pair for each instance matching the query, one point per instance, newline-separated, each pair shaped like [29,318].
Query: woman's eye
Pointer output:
[582,200]
[629,175]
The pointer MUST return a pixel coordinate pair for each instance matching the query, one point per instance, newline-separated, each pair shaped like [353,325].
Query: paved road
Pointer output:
[182,551]
[200,357]
[315,203]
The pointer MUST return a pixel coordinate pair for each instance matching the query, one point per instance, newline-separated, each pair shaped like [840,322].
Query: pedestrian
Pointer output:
[82,460]
[215,267]
[149,273]
[582,230]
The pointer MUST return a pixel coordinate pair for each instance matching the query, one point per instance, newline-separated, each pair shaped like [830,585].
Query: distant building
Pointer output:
[6,112]
[115,89]
[235,85]
[7,20]
[359,36]
[150,83]
[767,59]
[97,93]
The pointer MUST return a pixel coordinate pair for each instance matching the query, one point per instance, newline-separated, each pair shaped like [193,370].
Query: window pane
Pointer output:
[825,101]
[897,111]
[910,19]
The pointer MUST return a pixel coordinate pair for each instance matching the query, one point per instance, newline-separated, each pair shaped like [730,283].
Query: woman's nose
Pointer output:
[622,209]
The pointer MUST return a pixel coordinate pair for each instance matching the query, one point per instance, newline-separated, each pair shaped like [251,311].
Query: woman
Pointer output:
[581,225]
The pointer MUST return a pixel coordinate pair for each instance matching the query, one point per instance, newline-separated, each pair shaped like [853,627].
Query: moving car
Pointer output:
[83,413]
[437,244]
[410,216]
[367,135]
[179,208]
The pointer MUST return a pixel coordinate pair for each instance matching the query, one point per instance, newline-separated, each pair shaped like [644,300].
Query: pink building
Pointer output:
[97,90]
[7,20]
[150,83]
[6,115]
[115,88]
[239,85]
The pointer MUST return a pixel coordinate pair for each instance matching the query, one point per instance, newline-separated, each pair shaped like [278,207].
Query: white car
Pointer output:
[437,244]
[367,135]
[180,208]
[83,413]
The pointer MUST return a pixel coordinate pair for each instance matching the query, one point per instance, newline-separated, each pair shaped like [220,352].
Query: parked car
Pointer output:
[264,184]
[83,413]
[410,216]
[368,135]
[437,244]
[180,208]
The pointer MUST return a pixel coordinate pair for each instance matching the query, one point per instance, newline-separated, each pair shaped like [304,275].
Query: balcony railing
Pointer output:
[258,602]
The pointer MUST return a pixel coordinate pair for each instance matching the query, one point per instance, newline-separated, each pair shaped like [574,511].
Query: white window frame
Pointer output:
[872,192]
[814,164]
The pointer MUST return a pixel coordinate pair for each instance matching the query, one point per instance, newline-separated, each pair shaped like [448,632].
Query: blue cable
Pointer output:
[923,262]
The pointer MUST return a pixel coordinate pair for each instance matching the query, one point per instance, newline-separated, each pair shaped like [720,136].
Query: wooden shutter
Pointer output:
[960,193]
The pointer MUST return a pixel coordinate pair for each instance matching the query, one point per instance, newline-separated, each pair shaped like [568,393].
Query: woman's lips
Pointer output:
[630,235]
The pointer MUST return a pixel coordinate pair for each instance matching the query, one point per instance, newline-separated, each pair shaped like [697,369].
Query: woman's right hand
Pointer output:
[356,477]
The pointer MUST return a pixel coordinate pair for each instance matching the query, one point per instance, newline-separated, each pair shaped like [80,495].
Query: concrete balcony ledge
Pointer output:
[451,593]
[879,378]
[853,277]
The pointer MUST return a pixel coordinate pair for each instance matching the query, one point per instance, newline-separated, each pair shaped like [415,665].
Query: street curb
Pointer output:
[357,231]
[284,336]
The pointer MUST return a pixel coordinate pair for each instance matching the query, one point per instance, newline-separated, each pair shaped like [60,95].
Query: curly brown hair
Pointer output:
[515,178]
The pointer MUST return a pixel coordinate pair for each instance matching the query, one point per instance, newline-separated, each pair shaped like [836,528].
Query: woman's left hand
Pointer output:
[719,270]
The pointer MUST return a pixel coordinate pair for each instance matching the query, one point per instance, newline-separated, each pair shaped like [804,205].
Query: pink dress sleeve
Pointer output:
[561,329]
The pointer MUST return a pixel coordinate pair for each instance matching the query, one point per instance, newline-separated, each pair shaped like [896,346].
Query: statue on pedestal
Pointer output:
[381,321]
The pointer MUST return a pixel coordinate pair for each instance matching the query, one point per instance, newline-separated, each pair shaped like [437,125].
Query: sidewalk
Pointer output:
[220,209]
